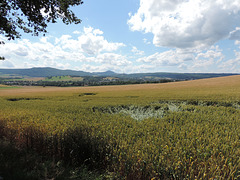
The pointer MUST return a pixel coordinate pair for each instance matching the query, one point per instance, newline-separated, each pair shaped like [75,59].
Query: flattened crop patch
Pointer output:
[21,99]
[136,112]
[161,109]
[87,94]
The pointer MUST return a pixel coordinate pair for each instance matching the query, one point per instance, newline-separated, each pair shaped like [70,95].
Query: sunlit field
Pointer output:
[175,130]
[7,87]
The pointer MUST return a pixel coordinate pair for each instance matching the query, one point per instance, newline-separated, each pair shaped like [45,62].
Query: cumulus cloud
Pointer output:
[130,68]
[187,60]
[90,47]
[146,41]
[21,51]
[214,53]
[237,42]
[112,59]
[207,61]
[142,68]
[186,24]
[76,32]
[91,42]
[183,67]
[136,51]
[102,68]
[168,58]
[231,65]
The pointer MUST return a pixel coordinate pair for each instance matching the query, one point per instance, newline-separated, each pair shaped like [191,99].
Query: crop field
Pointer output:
[178,130]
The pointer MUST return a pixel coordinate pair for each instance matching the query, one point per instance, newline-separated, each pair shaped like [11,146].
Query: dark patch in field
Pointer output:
[132,96]
[86,100]
[87,94]
[20,99]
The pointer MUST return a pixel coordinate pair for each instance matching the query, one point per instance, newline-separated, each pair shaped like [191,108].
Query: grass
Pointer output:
[152,131]
[7,87]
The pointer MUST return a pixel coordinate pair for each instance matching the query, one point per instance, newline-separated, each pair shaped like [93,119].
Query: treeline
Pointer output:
[86,82]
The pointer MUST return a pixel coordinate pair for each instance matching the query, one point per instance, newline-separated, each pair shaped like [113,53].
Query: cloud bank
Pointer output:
[89,47]
[187,23]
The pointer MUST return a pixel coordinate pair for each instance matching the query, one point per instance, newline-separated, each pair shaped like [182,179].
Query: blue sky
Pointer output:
[131,36]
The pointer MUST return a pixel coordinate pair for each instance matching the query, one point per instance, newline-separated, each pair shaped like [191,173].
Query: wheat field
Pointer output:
[178,130]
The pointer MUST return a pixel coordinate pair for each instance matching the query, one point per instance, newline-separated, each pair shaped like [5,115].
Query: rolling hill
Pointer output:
[47,71]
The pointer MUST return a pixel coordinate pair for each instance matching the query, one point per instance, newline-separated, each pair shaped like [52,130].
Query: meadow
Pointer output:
[178,130]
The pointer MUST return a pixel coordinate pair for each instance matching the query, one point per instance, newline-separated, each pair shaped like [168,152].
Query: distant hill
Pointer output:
[107,73]
[43,72]
[179,76]
[47,72]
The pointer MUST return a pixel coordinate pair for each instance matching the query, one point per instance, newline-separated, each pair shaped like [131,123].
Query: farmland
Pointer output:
[68,78]
[176,130]
[7,87]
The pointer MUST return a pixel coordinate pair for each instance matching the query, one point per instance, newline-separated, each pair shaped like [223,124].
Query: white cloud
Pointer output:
[112,59]
[231,65]
[21,51]
[90,47]
[76,32]
[237,42]
[146,41]
[207,61]
[91,42]
[186,23]
[136,51]
[187,60]
[168,58]
[213,53]
[101,68]
[87,30]
[142,68]
[131,68]
[97,31]
[183,67]
[235,34]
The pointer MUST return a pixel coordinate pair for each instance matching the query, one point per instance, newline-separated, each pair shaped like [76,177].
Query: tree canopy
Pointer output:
[32,16]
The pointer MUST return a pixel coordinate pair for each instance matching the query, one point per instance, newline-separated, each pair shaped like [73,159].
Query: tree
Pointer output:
[1,57]
[32,16]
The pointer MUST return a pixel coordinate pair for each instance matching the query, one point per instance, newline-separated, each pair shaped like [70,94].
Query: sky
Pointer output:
[134,36]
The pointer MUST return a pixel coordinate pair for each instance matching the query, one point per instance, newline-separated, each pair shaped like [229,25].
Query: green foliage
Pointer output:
[8,87]
[33,16]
